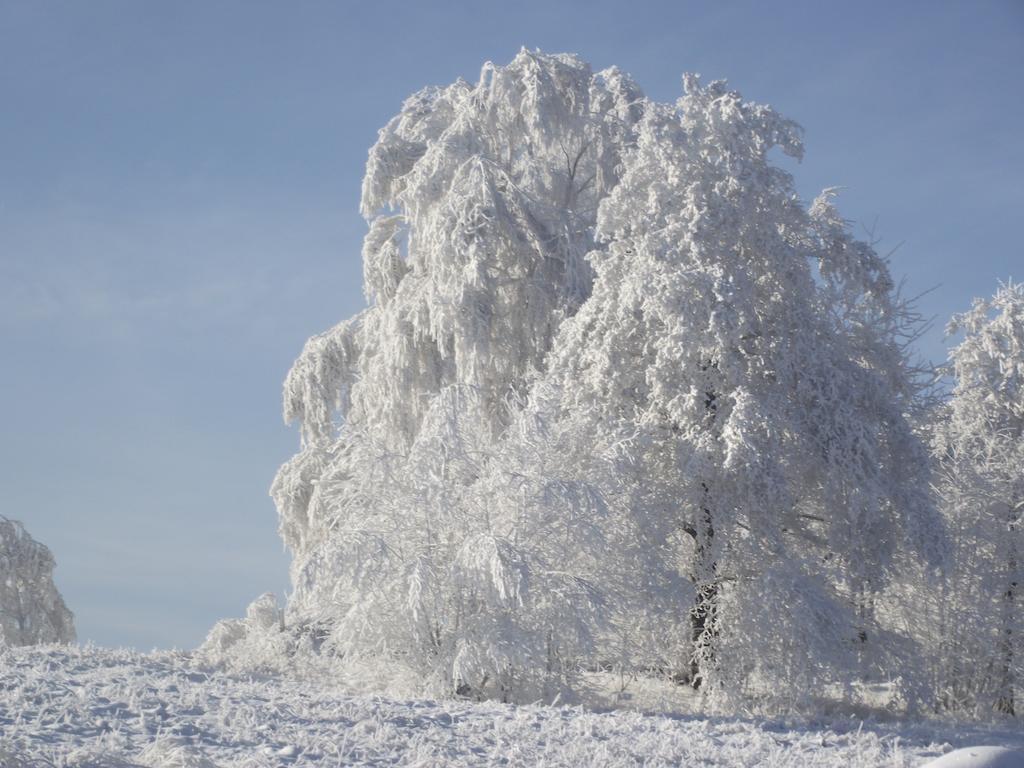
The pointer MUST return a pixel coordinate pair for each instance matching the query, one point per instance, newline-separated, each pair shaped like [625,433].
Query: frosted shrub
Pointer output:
[258,642]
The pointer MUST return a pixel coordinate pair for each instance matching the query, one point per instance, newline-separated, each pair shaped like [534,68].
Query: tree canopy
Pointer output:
[619,399]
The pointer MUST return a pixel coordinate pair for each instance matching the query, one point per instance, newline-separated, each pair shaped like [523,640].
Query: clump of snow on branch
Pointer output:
[31,609]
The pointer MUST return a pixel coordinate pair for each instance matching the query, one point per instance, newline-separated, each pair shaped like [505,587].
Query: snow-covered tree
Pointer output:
[980,445]
[755,347]
[481,202]
[31,609]
[619,397]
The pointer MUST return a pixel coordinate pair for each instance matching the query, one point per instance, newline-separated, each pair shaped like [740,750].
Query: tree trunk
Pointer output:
[864,603]
[704,613]
[1005,703]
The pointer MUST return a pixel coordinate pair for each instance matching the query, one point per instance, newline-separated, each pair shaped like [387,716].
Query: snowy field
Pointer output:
[93,707]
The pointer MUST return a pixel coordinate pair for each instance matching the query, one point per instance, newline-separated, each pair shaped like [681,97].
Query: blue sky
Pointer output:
[179,191]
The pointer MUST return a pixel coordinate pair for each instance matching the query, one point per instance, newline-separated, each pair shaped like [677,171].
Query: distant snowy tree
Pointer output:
[754,346]
[980,442]
[31,609]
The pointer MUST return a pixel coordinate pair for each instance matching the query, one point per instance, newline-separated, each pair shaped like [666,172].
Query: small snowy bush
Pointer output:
[256,643]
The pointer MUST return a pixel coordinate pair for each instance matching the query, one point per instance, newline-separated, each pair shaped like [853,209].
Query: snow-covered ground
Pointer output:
[64,706]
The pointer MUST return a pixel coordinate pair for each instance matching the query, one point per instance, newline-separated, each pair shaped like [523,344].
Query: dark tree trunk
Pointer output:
[1005,703]
[864,604]
[704,613]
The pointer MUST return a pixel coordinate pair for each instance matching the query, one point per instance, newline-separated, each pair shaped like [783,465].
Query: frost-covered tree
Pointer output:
[481,202]
[980,442]
[31,609]
[619,397]
[752,347]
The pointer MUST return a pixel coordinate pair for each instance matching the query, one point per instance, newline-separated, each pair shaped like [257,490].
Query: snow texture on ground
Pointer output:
[63,706]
